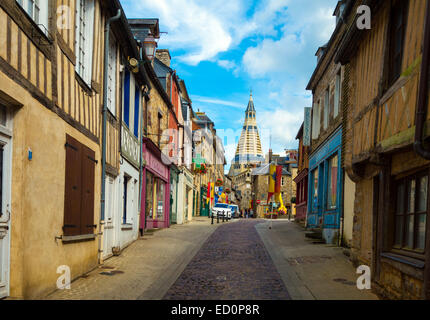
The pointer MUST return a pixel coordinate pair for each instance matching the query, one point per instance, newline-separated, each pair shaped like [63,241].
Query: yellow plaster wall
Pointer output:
[37,209]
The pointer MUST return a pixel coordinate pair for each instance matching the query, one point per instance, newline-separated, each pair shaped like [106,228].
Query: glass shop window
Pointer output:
[333,171]
[160,198]
[149,198]
[315,189]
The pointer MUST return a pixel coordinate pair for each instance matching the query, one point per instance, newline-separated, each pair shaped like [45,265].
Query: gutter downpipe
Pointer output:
[144,96]
[105,84]
[421,111]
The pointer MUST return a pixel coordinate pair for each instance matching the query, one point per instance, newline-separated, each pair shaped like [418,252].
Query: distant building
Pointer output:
[249,153]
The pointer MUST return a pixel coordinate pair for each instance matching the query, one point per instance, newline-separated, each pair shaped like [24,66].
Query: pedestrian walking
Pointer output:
[246,213]
[251,213]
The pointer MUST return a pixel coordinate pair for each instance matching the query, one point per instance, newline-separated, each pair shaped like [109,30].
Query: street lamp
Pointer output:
[150,44]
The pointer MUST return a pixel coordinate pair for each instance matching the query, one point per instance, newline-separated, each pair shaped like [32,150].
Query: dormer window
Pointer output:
[339,11]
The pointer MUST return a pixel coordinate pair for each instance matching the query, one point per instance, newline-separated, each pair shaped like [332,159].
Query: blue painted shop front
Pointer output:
[325,188]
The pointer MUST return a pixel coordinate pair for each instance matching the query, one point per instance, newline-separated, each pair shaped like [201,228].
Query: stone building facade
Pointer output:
[260,187]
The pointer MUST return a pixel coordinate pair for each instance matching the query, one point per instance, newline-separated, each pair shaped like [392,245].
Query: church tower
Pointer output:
[248,152]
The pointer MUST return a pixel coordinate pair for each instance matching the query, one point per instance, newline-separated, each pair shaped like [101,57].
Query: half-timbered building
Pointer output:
[51,102]
[386,134]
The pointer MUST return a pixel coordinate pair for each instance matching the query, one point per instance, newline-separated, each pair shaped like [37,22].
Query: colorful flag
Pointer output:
[278,179]
[272,181]
[208,195]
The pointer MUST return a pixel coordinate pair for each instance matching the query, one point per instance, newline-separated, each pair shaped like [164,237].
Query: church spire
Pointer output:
[248,151]
[250,107]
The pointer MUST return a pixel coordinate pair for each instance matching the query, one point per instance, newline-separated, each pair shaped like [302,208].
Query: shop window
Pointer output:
[149,197]
[333,166]
[411,212]
[160,188]
[315,189]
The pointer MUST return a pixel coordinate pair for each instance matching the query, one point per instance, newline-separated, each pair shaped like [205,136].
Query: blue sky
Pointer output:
[222,49]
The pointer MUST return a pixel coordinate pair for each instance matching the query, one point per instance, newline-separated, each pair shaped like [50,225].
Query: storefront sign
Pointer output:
[130,146]
[156,165]
[326,149]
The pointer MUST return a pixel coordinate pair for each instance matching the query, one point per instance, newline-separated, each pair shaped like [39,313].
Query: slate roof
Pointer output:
[161,70]
[250,105]
[204,118]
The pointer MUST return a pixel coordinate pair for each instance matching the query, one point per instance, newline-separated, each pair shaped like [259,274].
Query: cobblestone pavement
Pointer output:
[232,264]
[311,271]
[144,270]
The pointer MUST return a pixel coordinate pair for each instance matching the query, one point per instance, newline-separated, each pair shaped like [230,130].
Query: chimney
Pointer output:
[164,56]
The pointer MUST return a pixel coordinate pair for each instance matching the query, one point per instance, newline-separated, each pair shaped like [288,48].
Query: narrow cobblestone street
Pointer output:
[232,264]
[238,260]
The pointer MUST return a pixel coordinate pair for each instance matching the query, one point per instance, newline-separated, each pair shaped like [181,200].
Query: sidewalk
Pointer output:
[310,271]
[144,270]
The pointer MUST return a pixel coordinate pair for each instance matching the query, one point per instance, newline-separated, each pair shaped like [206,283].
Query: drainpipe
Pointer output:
[421,111]
[342,216]
[105,84]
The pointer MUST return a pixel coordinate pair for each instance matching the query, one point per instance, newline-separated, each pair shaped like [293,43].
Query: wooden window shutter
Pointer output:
[72,196]
[87,203]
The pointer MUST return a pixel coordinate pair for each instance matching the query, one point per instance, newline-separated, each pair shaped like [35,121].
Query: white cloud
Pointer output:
[203,29]
[279,125]
[229,66]
[217,101]
[282,67]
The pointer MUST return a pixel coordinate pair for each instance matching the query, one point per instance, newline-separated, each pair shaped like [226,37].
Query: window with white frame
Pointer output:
[326,108]
[112,76]
[84,38]
[336,95]
[316,120]
[38,10]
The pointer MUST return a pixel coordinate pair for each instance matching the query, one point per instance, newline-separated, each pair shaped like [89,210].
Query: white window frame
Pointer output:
[337,95]
[112,75]
[316,120]
[84,45]
[38,10]
[326,107]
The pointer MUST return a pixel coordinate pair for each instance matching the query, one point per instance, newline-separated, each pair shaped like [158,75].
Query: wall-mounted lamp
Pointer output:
[150,44]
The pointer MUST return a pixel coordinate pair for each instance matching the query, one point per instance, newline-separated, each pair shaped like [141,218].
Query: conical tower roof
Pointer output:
[249,149]
[250,104]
